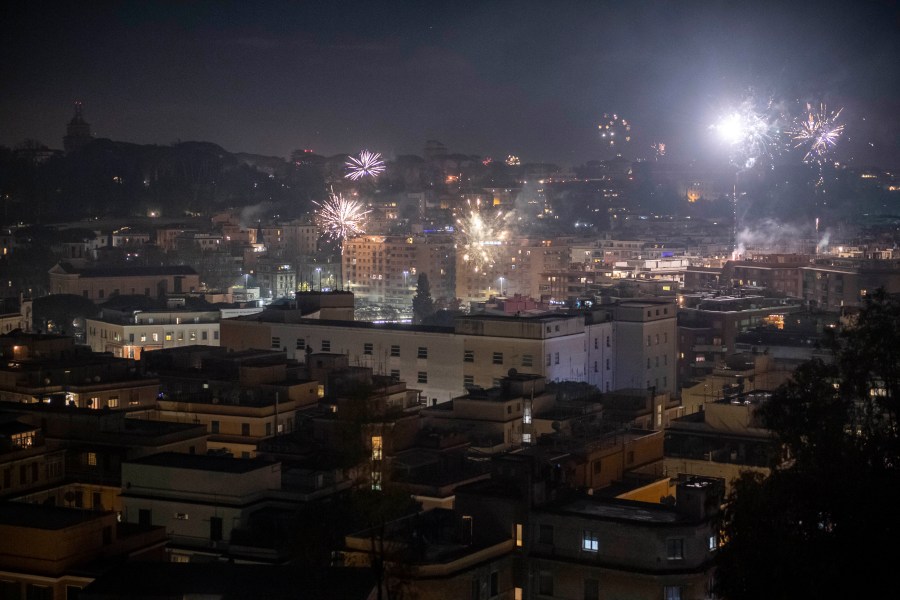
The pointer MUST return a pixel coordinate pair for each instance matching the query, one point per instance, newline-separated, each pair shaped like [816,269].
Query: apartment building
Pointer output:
[100,283]
[129,333]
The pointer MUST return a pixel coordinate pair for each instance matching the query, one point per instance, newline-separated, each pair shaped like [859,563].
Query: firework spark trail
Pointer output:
[340,218]
[817,131]
[480,236]
[367,164]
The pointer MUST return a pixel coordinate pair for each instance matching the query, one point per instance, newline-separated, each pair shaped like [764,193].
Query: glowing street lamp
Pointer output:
[501,286]
[319,272]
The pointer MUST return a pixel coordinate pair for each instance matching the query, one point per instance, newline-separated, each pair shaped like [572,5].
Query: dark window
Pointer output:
[423,352]
[422,377]
[96,501]
[301,344]
[591,589]
[395,350]
[214,426]
[215,529]
[107,536]
[326,345]
[675,549]
[469,356]
[395,373]
[545,583]
[10,590]
[34,472]
[498,358]
[72,592]
[276,343]
[245,428]
[468,380]
[495,583]
[527,360]
[545,534]
[38,592]
[367,348]
[145,517]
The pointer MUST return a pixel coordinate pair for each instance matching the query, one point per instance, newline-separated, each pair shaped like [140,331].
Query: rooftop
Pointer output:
[204,462]
[37,516]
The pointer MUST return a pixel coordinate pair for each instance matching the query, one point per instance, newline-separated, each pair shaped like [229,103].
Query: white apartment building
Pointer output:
[128,334]
[605,348]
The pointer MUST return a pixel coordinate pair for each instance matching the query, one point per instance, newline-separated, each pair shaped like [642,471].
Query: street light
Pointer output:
[319,271]
[501,286]
[405,279]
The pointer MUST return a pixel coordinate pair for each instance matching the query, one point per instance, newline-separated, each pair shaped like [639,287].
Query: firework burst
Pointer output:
[750,133]
[615,130]
[340,218]
[817,132]
[367,164]
[481,233]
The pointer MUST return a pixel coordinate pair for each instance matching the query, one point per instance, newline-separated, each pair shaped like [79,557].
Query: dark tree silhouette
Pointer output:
[821,525]
[56,313]
[422,304]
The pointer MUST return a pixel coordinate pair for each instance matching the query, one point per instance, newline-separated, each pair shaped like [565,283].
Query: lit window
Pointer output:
[376,447]
[169,336]
[518,535]
[113,402]
[589,541]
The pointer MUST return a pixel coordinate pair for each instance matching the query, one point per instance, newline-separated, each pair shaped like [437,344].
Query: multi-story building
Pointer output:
[607,351]
[517,267]
[775,272]
[831,284]
[54,552]
[99,284]
[129,333]
[26,461]
[241,398]
[61,374]
[276,279]
[385,269]
[708,326]
[300,238]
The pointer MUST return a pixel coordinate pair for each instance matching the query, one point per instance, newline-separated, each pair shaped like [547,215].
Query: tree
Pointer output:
[58,313]
[423,304]
[821,525]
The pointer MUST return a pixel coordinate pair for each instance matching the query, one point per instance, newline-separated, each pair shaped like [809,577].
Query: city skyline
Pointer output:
[490,79]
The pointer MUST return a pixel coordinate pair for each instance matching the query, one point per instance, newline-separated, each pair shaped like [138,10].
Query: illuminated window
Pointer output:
[376,447]
[91,459]
[169,335]
[155,337]
[518,535]
[113,402]
[589,541]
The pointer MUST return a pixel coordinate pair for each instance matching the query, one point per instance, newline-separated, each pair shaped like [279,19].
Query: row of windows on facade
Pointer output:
[169,335]
[421,352]
[665,339]
[53,470]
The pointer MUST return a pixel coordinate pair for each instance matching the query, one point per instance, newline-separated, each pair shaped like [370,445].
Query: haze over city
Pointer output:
[498,78]
[464,300]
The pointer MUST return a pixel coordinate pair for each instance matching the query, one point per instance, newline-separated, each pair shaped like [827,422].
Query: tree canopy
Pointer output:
[423,303]
[823,523]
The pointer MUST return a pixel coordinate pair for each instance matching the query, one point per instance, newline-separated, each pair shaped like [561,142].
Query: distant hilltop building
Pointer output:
[78,132]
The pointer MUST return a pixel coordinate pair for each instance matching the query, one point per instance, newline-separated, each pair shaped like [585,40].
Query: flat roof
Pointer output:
[38,516]
[626,510]
[204,462]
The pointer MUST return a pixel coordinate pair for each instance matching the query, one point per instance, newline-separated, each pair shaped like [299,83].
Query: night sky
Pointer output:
[490,78]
